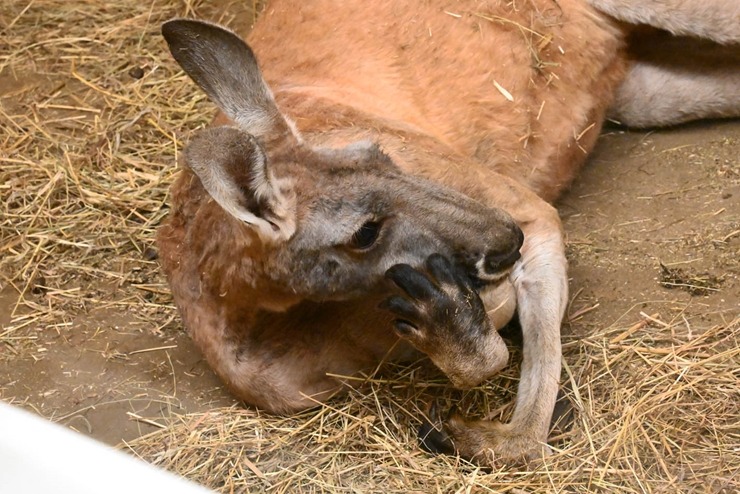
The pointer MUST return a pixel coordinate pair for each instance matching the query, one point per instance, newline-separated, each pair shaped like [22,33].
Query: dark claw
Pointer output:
[441,269]
[434,440]
[400,307]
[415,284]
[405,328]
[433,412]
[406,312]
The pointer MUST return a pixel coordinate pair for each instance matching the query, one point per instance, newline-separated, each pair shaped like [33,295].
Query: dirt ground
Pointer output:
[667,197]
[90,340]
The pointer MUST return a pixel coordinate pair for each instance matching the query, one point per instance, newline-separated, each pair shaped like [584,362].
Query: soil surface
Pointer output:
[653,224]
[670,197]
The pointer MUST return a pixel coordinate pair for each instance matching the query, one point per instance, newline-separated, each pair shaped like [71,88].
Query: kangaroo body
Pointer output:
[387,156]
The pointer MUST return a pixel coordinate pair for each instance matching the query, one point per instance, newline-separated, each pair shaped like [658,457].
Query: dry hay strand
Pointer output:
[651,413]
[694,283]
[91,109]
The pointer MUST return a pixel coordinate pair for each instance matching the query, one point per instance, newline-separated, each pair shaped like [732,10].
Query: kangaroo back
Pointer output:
[519,87]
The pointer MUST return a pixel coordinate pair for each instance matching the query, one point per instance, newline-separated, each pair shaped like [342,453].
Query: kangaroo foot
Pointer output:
[484,442]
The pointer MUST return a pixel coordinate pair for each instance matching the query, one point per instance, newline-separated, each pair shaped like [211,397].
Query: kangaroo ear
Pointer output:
[222,64]
[233,169]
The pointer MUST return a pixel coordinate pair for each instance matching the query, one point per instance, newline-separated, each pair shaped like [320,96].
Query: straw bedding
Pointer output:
[93,113]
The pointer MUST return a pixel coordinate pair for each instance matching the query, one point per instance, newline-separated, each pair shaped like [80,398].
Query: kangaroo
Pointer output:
[381,188]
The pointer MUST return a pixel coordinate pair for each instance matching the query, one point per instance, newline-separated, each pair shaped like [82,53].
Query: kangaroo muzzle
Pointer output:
[494,264]
[500,260]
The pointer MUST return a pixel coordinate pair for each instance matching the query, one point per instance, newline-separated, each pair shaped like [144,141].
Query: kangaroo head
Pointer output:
[329,222]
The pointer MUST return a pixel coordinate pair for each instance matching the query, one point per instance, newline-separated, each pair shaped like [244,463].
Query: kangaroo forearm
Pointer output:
[542,292]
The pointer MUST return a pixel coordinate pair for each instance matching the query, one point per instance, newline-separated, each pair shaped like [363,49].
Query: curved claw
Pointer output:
[432,439]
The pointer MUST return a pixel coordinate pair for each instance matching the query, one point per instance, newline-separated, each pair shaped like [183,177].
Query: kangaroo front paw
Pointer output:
[486,443]
[442,315]
[440,304]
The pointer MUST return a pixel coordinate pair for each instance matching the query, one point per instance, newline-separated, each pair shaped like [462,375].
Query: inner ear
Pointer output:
[234,170]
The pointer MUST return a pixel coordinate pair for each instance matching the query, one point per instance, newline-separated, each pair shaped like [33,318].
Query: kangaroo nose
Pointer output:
[499,260]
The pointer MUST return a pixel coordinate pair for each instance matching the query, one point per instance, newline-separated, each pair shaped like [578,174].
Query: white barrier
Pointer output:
[39,457]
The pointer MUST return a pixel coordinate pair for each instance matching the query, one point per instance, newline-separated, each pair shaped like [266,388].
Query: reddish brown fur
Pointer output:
[450,97]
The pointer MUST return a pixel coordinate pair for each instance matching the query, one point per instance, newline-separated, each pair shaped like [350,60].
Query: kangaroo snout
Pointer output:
[493,263]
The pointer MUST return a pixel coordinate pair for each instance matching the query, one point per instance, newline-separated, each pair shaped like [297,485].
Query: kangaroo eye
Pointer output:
[366,236]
